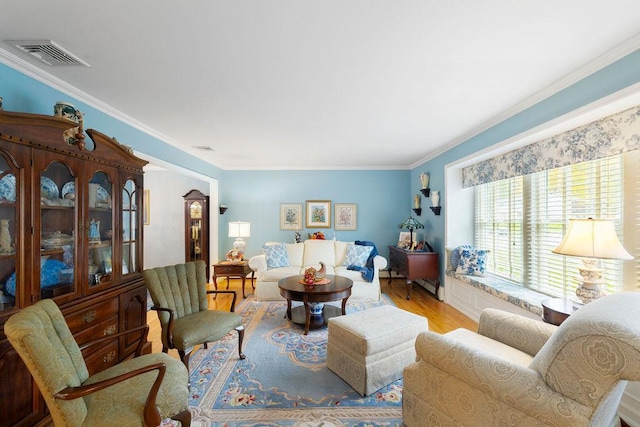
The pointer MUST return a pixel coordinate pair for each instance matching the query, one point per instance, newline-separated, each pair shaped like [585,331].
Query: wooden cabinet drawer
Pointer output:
[92,315]
[101,358]
[230,269]
[103,329]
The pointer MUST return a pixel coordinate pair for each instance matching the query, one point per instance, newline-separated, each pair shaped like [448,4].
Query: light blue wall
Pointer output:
[24,94]
[615,77]
[382,197]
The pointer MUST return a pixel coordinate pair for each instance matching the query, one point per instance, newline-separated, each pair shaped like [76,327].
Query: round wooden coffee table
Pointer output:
[314,313]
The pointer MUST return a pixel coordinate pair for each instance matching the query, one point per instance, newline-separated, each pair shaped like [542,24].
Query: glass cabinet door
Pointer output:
[8,231]
[130,234]
[99,229]
[57,230]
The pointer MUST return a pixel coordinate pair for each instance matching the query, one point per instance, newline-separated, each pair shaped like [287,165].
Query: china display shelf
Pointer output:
[52,251]
[58,208]
[102,244]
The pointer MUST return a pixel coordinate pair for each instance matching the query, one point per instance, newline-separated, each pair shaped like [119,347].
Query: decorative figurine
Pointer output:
[94,231]
[6,248]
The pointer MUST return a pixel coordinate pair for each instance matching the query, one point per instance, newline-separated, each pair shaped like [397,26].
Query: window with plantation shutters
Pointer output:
[522,219]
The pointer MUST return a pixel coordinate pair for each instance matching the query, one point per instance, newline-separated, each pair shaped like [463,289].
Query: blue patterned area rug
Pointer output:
[284,381]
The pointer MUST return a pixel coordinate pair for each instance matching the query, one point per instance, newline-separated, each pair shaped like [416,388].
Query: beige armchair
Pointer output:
[139,391]
[519,371]
[179,293]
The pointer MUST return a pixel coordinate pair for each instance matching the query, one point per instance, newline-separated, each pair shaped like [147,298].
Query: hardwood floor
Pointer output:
[442,317]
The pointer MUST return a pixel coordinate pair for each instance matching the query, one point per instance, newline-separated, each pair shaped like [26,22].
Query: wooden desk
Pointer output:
[414,265]
[232,269]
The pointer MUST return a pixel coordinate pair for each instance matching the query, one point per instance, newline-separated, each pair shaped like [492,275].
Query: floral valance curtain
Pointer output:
[606,137]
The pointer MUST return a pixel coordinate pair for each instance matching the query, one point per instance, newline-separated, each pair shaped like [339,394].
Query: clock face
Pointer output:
[195,210]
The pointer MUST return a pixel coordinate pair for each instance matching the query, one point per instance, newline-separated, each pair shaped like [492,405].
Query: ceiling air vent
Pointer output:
[49,52]
[203,148]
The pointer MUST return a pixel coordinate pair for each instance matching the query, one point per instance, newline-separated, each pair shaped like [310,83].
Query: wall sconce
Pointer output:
[416,205]
[435,201]
[424,181]
[223,209]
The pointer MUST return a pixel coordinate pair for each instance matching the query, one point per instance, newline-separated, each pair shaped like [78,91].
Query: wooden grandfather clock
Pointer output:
[196,224]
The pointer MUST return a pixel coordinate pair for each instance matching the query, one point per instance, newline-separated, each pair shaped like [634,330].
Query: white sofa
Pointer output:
[309,254]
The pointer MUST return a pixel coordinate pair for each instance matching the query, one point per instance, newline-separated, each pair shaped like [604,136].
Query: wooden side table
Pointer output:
[232,269]
[414,265]
[556,310]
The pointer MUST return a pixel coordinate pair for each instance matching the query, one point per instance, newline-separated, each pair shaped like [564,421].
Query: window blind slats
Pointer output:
[522,219]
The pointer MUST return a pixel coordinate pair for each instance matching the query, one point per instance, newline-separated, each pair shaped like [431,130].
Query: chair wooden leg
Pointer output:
[240,330]
[184,356]
[184,417]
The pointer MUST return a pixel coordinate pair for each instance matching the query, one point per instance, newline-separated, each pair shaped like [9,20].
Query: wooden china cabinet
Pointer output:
[70,230]
[196,224]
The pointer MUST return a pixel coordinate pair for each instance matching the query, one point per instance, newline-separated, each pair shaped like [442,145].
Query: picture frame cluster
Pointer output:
[317,214]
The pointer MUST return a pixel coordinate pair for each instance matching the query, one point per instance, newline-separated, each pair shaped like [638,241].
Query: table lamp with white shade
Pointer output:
[591,239]
[239,230]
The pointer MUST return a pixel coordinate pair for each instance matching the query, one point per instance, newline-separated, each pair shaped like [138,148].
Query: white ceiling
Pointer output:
[326,84]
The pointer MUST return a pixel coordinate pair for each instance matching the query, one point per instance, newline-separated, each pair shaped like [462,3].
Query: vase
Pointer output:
[66,111]
[435,198]
[424,180]
[315,308]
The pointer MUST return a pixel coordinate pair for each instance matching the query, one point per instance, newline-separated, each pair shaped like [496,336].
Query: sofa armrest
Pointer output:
[508,383]
[516,331]
[379,262]
[258,263]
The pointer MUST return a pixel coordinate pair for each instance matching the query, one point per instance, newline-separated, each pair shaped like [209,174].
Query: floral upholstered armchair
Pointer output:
[519,371]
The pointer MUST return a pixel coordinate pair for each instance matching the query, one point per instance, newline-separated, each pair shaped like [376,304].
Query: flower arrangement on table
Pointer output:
[318,235]
[234,255]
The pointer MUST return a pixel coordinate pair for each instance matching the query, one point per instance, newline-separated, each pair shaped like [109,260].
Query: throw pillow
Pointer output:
[357,255]
[472,261]
[276,256]
[454,257]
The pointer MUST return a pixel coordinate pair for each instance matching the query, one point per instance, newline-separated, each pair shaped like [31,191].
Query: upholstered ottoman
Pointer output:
[369,349]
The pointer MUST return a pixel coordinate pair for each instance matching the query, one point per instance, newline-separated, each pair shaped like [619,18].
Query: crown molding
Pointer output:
[36,73]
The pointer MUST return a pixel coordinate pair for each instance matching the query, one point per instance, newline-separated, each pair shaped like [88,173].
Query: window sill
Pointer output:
[524,298]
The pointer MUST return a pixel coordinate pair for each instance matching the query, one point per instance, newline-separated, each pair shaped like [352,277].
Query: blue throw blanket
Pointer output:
[367,271]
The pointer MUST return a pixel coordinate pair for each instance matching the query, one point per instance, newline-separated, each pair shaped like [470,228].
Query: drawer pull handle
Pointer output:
[110,356]
[109,330]
[89,316]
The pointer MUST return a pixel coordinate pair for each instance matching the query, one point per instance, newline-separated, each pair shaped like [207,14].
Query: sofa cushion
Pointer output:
[341,251]
[357,255]
[276,256]
[472,262]
[319,250]
[296,252]
[354,275]
[276,274]
[454,256]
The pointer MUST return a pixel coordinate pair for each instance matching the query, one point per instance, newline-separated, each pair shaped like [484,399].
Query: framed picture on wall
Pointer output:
[318,214]
[291,216]
[345,216]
